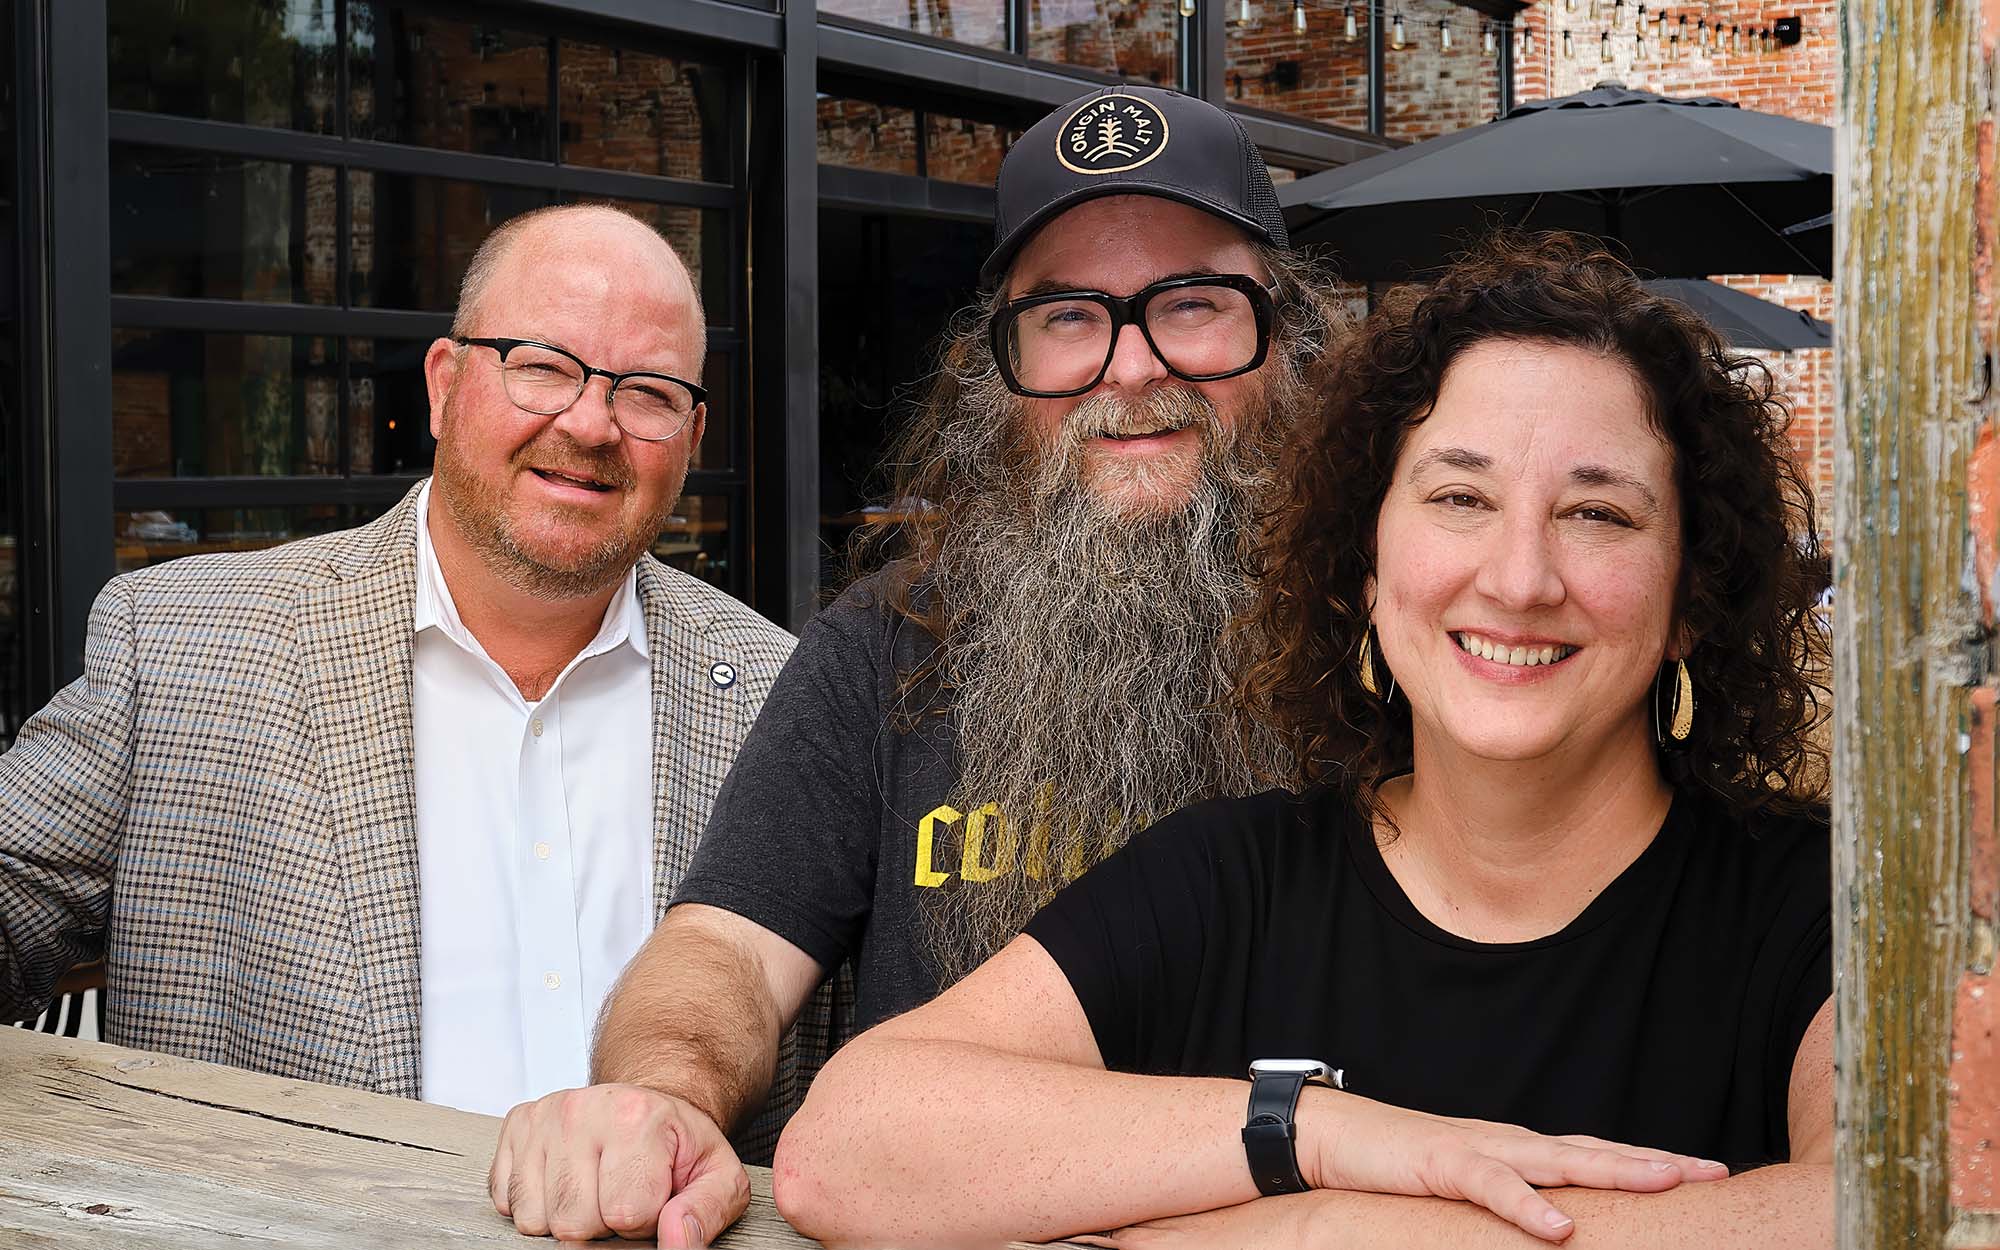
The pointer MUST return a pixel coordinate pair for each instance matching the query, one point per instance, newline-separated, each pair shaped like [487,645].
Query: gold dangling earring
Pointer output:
[1368,662]
[1683,703]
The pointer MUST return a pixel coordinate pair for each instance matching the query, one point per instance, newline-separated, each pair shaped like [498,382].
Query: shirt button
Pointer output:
[551,981]
[541,850]
[537,727]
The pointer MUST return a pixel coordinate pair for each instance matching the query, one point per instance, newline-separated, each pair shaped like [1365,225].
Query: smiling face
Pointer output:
[562,505]
[1527,557]
[1141,429]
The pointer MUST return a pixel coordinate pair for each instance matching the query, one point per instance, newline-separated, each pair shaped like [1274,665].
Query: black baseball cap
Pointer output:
[1131,140]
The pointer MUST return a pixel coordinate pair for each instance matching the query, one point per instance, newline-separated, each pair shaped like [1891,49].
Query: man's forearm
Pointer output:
[691,1017]
[1787,1205]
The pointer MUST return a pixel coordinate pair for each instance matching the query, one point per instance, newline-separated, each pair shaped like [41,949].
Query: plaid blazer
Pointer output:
[223,804]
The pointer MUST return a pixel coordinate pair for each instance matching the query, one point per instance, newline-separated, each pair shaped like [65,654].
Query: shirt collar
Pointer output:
[624,620]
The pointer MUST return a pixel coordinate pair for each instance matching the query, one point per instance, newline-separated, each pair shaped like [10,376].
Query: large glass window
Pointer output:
[271,63]
[1319,73]
[353,252]
[1137,39]
[862,134]
[982,23]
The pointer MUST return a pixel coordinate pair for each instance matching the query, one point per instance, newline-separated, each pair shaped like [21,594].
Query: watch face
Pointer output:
[1309,1069]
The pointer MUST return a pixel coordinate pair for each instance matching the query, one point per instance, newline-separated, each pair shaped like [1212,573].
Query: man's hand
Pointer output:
[616,1160]
[1347,1142]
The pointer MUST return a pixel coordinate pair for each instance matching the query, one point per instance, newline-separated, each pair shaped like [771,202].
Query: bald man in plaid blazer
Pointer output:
[227,805]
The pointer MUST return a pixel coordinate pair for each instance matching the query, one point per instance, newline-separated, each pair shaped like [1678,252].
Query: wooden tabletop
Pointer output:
[104,1146]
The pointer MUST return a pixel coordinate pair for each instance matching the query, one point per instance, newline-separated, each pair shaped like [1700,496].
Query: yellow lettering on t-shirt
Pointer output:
[969,866]
[927,839]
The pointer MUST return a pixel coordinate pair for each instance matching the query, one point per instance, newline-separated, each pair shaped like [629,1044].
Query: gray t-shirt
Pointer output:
[834,825]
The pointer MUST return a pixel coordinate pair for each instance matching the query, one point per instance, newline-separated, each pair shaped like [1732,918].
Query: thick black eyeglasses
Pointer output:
[1202,328]
[544,379]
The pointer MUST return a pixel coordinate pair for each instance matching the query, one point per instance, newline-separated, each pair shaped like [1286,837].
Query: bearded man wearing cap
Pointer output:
[1043,671]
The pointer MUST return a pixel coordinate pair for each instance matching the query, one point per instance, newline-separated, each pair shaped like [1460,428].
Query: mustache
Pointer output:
[1160,409]
[555,451]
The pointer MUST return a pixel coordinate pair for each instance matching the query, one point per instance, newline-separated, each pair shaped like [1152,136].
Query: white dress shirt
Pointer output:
[534,845]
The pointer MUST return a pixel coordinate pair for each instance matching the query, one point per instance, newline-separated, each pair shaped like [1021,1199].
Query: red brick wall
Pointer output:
[1800,81]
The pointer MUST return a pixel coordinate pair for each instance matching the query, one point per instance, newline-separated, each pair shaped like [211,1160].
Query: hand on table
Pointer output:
[617,1160]
[1347,1142]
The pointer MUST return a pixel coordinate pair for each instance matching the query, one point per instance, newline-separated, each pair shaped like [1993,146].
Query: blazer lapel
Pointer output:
[358,647]
[692,711]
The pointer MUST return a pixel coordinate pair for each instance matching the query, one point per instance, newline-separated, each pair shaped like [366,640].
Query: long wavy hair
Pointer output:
[930,490]
[1748,537]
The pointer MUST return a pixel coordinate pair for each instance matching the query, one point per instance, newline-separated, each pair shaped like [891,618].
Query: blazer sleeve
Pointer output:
[65,787]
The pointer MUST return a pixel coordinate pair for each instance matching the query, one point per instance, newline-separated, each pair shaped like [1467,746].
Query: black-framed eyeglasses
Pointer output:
[1202,328]
[544,379]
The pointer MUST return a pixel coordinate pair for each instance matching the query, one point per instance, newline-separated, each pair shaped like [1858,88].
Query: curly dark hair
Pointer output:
[1749,542]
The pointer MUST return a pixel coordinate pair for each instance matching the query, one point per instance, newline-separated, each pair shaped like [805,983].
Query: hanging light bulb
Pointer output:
[1641,25]
[1527,41]
[1349,28]
[1243,14]
[1735,38]
[1701,33]
[1617,14]
[1299,16]
[1569,6]
[1444,36]
[1660,23]
[1639,43]
[1396,37]
[1604,46]
[1569,50]
[1674,46]
[1487,43]
[1770,40]
[1187,8]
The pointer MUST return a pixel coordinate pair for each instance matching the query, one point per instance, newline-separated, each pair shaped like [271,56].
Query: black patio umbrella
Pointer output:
[1744,320]
[1689,185]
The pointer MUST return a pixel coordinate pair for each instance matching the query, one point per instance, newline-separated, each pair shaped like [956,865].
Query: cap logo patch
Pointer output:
[1110,135]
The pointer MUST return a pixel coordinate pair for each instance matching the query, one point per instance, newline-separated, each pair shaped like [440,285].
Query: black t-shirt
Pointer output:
[833,827]
[1667,1014]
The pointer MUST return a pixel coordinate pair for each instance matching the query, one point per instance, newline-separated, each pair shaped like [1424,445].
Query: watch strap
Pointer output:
[1270,1134]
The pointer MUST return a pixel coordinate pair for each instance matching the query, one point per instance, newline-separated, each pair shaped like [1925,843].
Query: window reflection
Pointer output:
[388,407]
[464,86]
[696,538]
[149,537]
[958,149]
[191,404]
[1320,73]
[982,23]
[265,64]
[643,113]
[266,230]
[414,237]
[862,134]
[1134,38]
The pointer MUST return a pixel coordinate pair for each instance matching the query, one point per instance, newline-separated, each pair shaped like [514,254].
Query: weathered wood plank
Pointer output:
[100,1145]
[1907,636]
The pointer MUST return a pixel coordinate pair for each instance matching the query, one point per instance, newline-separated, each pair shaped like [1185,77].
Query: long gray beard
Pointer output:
[1092,684]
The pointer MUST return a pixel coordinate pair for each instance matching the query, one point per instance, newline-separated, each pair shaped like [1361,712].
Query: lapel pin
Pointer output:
[723,674]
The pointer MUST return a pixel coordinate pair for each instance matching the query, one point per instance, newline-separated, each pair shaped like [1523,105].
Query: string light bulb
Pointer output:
[1701,33]
[1569,50]
[1396,36]
[1639,43]
[1187,8]
[1617,14]
[1243,13]
[1349,27]
[1487,42]
[1527,41]
[1444,36]
[1604,46]
[1299,16]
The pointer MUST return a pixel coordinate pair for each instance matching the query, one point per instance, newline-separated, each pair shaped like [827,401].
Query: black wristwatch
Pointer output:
[1269,1135]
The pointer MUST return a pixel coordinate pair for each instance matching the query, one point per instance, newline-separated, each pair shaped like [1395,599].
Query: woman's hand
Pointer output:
[1347,1142]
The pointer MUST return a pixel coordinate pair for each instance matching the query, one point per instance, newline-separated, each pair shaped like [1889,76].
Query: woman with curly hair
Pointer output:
[1540,604]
